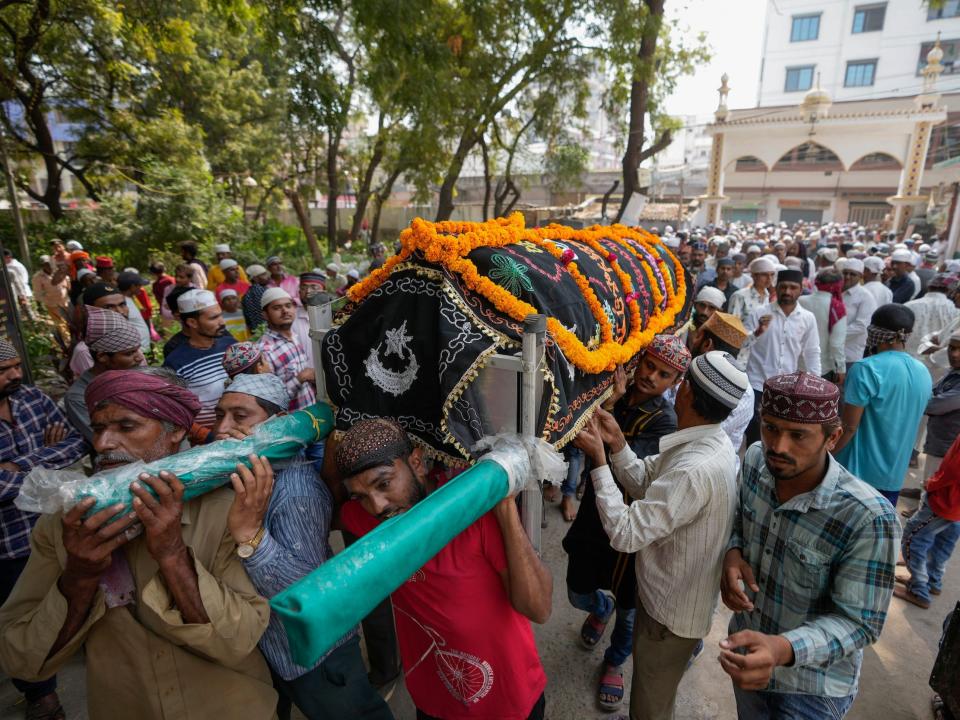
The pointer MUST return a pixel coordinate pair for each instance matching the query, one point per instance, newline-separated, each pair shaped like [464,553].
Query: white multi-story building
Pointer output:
[857,50]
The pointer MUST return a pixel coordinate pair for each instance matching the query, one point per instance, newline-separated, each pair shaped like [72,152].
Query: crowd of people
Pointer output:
[754,456]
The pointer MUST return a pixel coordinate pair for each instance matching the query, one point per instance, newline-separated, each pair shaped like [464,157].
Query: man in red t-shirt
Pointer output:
[463,619]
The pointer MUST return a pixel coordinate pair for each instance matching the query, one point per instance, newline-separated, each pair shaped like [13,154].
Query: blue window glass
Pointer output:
[949,9]
[860,73]
[805,27]
[869,18]
[799,78]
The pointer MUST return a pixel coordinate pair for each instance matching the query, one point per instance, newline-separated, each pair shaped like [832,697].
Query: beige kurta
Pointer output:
[142,660]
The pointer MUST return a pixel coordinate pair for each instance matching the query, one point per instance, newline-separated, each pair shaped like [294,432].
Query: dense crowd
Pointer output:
[755,455]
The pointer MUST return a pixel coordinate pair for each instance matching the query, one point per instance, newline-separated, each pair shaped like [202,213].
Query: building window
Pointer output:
[749,163]
[950,61]
[860,73]
[799,78]
[809,156]
[945,141]
[949,9]
[805,27]
[876,161]
[869,18]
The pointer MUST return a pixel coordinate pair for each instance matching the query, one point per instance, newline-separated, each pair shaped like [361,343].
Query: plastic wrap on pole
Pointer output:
[201,469]
[322,607]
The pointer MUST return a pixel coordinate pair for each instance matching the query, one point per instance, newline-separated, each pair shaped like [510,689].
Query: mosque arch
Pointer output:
[877,161]
[809,156]
[748,163]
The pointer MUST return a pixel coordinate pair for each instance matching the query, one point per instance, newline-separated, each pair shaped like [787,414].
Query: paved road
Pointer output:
[893,682]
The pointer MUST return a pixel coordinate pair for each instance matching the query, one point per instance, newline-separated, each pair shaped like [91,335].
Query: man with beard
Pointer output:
[677,524]
[644,416]
[199,360]
[782,335]
[33,433]
[708,301]
[475,597]
[760,293]
[724,280]
[885,397]
[282,350]
[810,564]
[157,598]
[860,304]
[281,524]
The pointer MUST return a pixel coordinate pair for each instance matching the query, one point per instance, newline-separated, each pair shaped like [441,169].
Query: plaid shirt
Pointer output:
[287,357]
[22,443]
[824,561]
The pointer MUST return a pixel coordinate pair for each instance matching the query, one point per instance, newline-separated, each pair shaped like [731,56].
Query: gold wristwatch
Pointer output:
[248,548]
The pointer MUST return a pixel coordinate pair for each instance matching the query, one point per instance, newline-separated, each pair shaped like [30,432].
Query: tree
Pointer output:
[565,165]
[642,75]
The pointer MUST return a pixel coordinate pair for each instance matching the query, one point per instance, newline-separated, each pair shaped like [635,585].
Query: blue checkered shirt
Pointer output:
[824,561]
[22,443]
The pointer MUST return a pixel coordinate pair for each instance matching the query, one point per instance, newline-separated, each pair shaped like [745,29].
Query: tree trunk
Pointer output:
[333,188]
[486,178]
[445,200]
[380,197]
[364,192]
[304,217]
[643,77]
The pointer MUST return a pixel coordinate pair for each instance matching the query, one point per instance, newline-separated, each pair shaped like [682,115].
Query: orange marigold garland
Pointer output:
[449,243]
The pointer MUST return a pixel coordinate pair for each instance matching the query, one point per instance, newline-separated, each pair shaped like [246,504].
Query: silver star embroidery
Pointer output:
[397,340]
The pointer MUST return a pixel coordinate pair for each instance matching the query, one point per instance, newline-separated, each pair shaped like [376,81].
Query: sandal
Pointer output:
[592,631]
[610,689]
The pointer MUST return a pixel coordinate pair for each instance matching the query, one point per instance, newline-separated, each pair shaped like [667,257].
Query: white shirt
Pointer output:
[881,293]
[19,279]
[736,425]
[745,301]
[679,524]
[860,304]
[790,342]
[931,312]
[831,339]
[134,316]
[301,331]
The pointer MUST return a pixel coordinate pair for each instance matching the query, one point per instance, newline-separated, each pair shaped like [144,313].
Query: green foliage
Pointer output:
[565,166]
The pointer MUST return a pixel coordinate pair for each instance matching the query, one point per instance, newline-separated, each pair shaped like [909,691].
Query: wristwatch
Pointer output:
[248,548]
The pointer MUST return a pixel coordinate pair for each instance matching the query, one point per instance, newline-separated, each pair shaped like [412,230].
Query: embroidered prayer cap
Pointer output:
[265,386]
[795,276]
[371,443]
[726,327]
[873,264]
[711,296]
[221,248]
[8,351]
[943,281]
[195,301]
[720,376]
[800,397]
[228,263]
[255,271]
[97,291]
[312,278]
[762,265]
[671,350]
[108,331]
[240,356]
[272,295]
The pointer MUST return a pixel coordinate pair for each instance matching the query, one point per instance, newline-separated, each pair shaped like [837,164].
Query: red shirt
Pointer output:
[240,286]
[466,652]
[943,487]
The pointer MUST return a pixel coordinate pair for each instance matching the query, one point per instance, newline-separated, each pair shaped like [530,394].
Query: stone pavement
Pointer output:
[893,681]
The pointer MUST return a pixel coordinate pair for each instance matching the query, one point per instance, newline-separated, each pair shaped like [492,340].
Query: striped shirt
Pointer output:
[824,561]
[677,525]
[22,443]
[204,373]
[295,542]
[287,357]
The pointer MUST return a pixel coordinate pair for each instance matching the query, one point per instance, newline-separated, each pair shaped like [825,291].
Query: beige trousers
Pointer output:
[659,661]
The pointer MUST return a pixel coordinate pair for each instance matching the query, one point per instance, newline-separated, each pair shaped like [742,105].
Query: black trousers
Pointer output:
[10,570]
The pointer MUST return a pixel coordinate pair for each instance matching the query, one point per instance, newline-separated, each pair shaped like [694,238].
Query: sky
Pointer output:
[734,31]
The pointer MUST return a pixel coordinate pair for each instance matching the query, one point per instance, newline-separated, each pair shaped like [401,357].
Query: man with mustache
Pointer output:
[473,600]
[809,569]
[33,433]
[157,598]
[287,357]
[281,524]
[645,416]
